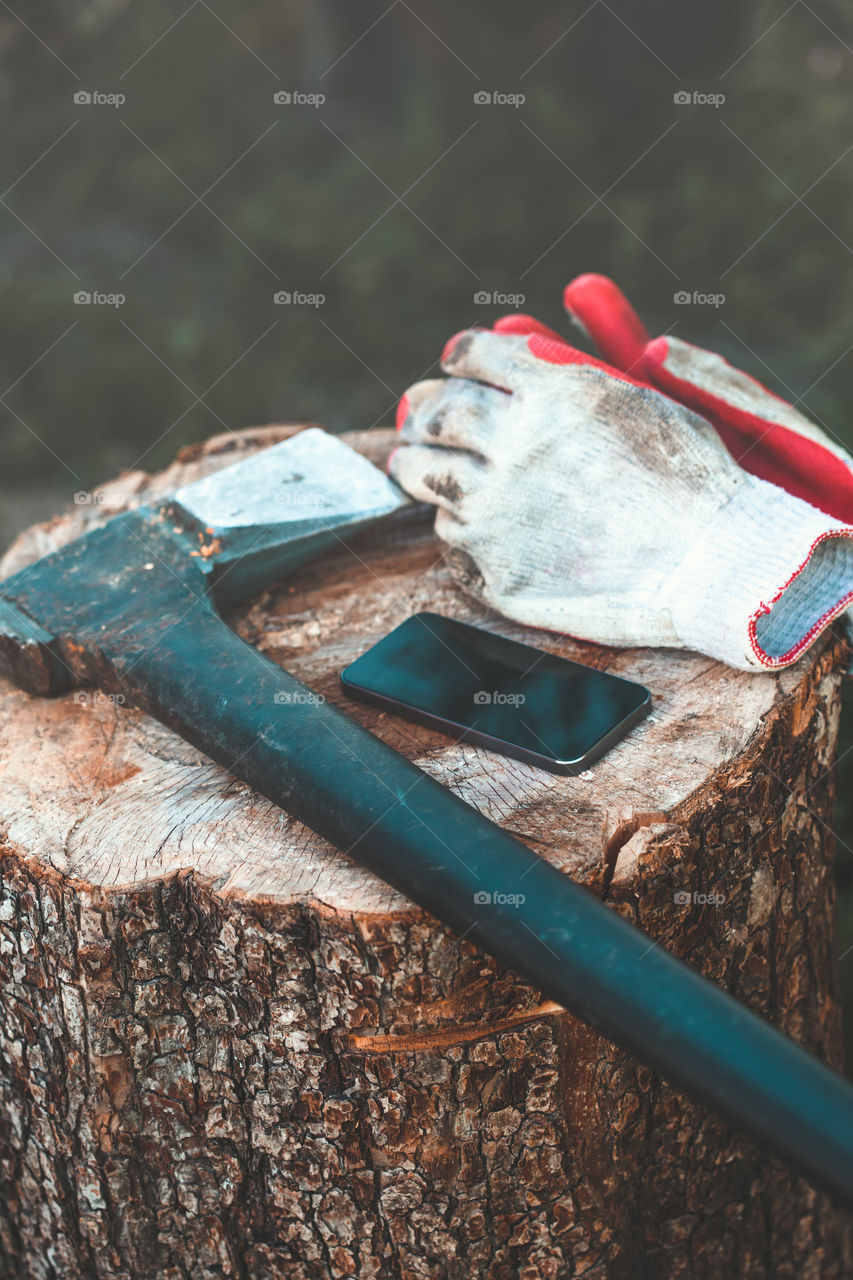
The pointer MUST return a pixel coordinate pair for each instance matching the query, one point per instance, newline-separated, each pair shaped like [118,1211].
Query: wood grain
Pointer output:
[228,1050]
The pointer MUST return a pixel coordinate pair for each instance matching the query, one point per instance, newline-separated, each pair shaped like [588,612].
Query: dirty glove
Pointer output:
[766,435]
[574,498]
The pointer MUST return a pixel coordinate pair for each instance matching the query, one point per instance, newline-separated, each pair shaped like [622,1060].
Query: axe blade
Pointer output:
[311,481]
[261,518]
[227,535]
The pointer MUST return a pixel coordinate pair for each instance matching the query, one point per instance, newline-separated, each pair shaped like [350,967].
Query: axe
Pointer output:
[133,606]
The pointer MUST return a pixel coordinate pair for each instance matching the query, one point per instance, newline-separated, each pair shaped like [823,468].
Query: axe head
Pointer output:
[211,544]
[262,517]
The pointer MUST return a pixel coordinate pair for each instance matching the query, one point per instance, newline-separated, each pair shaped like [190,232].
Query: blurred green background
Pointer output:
[399,198]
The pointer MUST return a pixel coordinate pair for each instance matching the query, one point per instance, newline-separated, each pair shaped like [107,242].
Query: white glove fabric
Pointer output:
[765,434]
[572,499]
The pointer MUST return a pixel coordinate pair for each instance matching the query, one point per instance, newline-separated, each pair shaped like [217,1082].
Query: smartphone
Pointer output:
[509,697]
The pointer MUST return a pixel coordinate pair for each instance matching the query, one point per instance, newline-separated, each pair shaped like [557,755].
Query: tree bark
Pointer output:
[227,1050]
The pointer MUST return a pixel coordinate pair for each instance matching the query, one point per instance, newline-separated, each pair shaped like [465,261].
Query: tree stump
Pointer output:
[229,1051]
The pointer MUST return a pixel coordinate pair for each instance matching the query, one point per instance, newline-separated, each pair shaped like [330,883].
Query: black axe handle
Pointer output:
[269,729]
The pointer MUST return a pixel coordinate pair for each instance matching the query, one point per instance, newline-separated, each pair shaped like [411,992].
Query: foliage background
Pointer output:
[398,199]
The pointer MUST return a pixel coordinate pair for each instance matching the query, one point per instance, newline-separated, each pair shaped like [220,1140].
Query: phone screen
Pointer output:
[508,696]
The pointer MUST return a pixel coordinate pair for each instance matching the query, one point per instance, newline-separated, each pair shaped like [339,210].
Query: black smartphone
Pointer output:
[507,696]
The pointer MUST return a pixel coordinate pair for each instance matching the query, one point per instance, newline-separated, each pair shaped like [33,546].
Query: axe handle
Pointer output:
[267,728]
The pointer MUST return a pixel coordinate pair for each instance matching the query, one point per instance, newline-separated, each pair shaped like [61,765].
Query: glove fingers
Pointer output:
[556,351]
[416,395]
[602,311]
[500,359]
[510,361]
[454,412]
[700,375]
[766,435]
[517,323]
[440,476]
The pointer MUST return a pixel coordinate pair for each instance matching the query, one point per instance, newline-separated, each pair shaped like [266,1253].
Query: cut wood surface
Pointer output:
[227,1050]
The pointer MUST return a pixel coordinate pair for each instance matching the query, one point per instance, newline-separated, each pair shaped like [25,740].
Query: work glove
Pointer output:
[572,496]
[766,435]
